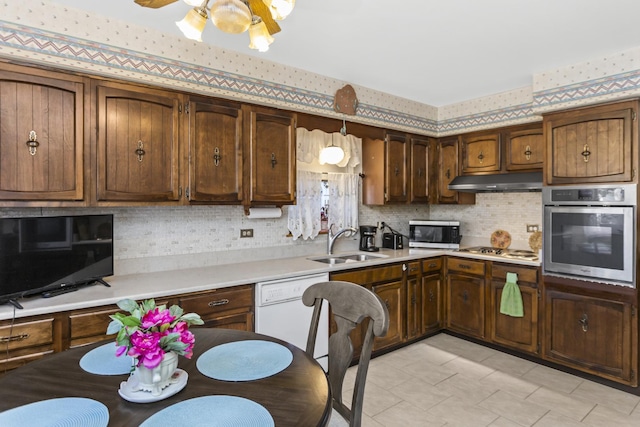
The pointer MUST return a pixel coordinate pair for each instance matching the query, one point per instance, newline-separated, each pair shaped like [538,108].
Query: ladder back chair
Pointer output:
[350,304]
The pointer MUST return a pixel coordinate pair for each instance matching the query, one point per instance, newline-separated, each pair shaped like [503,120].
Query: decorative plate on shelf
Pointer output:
[535,241]
[500,239]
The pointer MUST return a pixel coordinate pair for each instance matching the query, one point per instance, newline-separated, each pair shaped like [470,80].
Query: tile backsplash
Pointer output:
[162,238]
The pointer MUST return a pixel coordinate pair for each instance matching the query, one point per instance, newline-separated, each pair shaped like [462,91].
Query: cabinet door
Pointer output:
[591,145]
[592,334]
[525,149]
[448,158]
[272,156]
[465,304]
[215,147]
[480,153]
[137,144]
[397,157]
[431,297]
[392,295]
[41,136]
[517,332]
[414,303]
[447,170]
[419,174]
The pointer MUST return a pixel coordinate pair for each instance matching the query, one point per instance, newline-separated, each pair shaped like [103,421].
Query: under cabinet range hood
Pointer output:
[498,183]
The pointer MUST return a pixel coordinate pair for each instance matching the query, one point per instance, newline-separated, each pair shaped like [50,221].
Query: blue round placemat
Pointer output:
[62,412]
[103,361]
[244,360]
[219,411]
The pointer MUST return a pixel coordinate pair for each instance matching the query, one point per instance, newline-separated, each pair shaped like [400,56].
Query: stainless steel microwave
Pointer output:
[434,234]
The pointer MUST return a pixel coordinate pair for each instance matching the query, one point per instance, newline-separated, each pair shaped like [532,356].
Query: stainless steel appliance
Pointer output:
[280,313]
[519,254]
[434,234]
[589,232]
[368,238]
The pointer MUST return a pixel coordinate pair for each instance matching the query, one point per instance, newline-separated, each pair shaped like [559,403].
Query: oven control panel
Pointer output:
[600,195]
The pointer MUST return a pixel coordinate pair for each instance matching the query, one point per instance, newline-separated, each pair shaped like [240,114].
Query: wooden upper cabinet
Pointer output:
[447,169]
[448,163]
[524,148]
[215,151]
[419,182]
[137,143]
[480,153]
[397,158]
[270,156]
[42,135]
[593,144]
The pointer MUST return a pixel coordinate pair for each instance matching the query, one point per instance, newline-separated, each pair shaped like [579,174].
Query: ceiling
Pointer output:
[434,52]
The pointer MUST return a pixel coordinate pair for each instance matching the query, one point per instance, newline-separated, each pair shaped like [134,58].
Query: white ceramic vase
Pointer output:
[157,379]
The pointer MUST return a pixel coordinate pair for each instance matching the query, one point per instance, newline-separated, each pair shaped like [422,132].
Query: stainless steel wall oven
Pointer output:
[589,232]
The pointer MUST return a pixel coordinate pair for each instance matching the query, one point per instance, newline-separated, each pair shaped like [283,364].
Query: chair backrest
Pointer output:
[350,305]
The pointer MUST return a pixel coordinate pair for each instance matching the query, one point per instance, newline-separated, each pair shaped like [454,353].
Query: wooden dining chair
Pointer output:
[350,304]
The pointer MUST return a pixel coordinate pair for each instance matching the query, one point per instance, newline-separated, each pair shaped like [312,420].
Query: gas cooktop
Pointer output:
[502,253]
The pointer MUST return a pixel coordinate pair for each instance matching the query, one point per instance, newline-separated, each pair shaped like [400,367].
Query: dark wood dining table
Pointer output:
[297,396]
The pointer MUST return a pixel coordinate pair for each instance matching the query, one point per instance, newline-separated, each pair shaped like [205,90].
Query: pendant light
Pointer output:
[332,154]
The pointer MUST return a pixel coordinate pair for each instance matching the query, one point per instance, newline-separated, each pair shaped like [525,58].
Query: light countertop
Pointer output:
[174,282]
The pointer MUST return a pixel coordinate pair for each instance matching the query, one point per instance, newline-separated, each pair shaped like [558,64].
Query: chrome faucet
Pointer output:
[331,237]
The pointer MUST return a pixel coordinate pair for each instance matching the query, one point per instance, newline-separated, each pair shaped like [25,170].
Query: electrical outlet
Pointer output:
[531,228]
[246,232]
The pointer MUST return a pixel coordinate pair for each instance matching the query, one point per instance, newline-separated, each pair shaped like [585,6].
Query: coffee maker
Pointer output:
[368,238]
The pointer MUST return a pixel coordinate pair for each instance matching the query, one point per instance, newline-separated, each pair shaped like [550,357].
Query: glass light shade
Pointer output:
[331,155]
[231,16]
[193,24]
[259,37]
[194,3]
[280,9]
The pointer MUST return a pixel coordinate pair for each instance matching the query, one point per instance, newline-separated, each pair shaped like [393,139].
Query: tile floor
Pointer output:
[447,381]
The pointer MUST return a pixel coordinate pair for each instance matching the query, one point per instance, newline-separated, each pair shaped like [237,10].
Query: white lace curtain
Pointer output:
[304,216]
[310,143]
[343,199]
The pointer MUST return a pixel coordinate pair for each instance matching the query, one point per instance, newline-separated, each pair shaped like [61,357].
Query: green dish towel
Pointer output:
[511,301]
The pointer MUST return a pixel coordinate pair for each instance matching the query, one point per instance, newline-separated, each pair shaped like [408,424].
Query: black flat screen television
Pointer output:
[52,255]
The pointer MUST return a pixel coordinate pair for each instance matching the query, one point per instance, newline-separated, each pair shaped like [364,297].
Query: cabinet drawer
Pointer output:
[525,274]
[466,266]
[24,335]
[371,275]
[90,326]
[432,264]
[413,268]
[218,300]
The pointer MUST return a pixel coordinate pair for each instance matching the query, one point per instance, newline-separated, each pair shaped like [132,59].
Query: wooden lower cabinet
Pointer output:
[30,338]
[392,294]
[520,333]
[26,340]
[388,283]
[465,295]
[431,297]
[229,308]
[593,331]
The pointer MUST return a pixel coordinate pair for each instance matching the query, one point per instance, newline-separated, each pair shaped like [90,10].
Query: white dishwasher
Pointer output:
[280,313]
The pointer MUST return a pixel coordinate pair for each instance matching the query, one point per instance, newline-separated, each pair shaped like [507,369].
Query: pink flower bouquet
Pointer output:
[148,332]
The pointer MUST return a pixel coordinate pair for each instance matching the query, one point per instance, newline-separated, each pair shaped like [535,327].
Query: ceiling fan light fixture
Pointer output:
[193,23]
[259,37]
[331,155]
[231,16]
[194,3]
[280,9]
